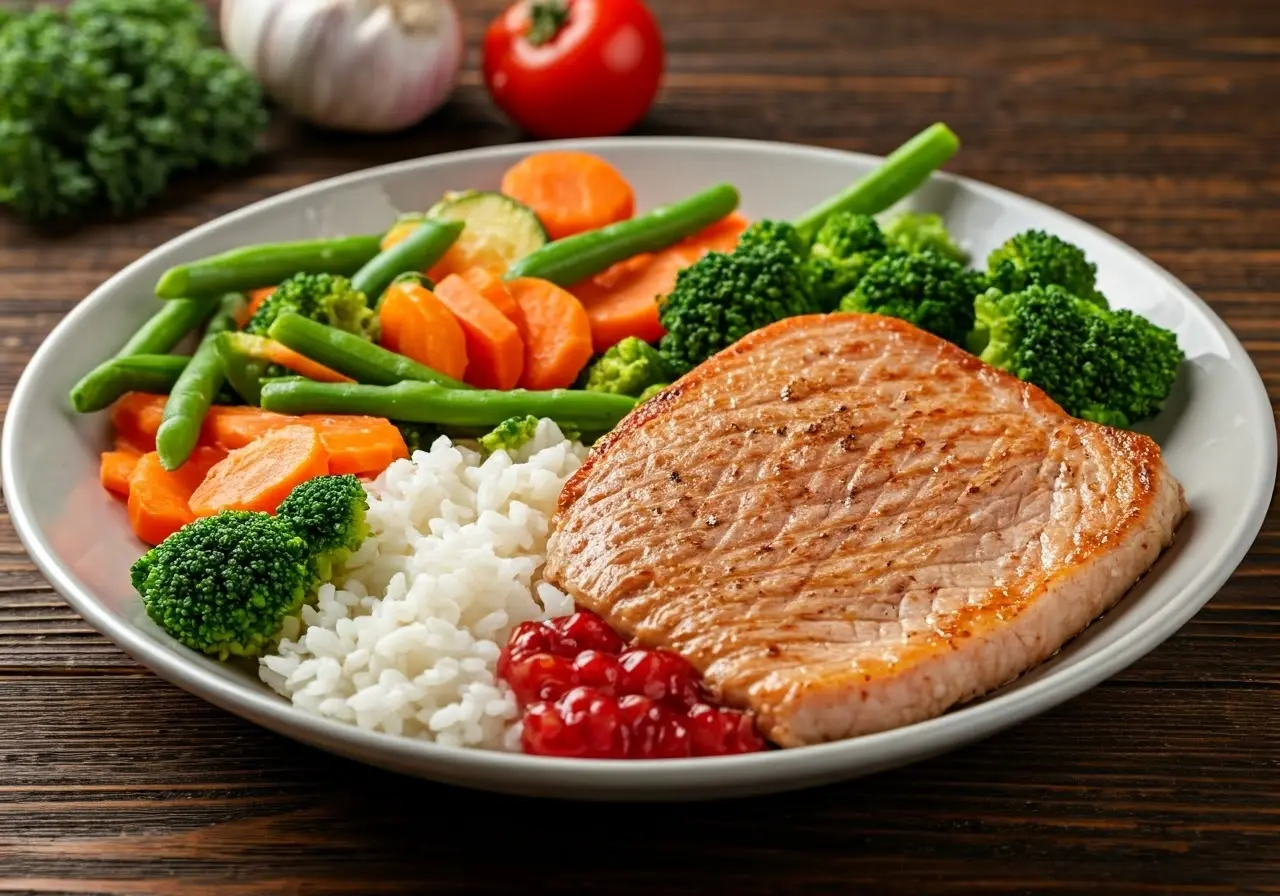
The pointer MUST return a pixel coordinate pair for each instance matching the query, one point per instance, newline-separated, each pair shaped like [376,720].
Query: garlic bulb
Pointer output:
[351,65]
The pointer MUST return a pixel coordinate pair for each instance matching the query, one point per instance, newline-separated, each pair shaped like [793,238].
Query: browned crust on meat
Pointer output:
[662,403]
[794,710]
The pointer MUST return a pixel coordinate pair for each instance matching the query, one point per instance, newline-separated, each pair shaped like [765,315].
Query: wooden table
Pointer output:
[1156,121]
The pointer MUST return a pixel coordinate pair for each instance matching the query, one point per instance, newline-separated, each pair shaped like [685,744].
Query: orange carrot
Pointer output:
[417,324]
[159,500]
[115,469]
[570,191]
[495,351]
[622,300]
[135,417]
[363,446]
[256,298]
[490,285]
[261,474]
[559,343]
[263,349]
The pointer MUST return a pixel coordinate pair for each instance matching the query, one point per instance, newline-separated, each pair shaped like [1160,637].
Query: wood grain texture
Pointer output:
[1154,121]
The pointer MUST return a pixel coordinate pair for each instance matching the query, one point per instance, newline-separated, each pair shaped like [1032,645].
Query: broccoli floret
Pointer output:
[225,584]
[769,232]
[1111,367]
[1036,258]
[628,368]
[650,392]
[103,104]
[724,296]
[916,232]
[843,250]
[510,435]
[326,298]
[927,290]
[328,512]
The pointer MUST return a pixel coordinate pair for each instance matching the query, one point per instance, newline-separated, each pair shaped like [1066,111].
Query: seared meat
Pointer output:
[848,525]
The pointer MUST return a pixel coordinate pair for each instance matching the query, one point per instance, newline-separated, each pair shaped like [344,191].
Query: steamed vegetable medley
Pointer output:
[314,365]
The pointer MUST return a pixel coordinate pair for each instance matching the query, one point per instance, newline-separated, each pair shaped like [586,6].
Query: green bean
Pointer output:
[575,258]
[416,402]
[130,373]
[193,393]
[242,372]
[162,331]
[418,251]
[346,353]
[904,169]
[253,267]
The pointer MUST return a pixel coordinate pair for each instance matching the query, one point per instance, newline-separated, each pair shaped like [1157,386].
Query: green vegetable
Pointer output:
[193,393]
[351,355]
[103,104]
[328,512]
[225,584]
[131,373]
[162,331]
[267,264]
[1112,367]
[497,226]
[917,232]
[418,436]
[419,402]
[927,290]
[575,258]
[328,299]
[844,249]
[1036,258]
[416,252]
[651,391]
[511,434]
[723,297]
[628,368]
[902,171]
[242,370]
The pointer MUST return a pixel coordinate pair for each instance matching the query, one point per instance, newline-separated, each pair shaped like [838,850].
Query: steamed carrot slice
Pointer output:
[363,446]
[159,499]
[115,469]
[356,444]
[570,191]
[495,351]
[256,298]
[622,301]
[417,324]
[261,474]
[135,417]
[491,286]
[559,344]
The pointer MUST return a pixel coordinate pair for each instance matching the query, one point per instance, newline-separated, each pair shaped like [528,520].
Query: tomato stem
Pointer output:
[546,19]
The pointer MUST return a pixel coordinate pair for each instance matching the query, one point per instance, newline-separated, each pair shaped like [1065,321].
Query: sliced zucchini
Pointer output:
[498,230]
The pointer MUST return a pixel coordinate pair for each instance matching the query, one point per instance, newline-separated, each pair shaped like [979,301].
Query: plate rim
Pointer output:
[762,772]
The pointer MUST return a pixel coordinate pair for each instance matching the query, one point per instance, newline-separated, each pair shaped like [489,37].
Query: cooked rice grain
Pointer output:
[409,641]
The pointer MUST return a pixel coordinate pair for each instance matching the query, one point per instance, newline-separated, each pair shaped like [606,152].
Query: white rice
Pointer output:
[408,642]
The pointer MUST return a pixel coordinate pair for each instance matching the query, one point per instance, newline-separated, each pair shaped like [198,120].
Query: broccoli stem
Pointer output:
[418,402]
[902,171]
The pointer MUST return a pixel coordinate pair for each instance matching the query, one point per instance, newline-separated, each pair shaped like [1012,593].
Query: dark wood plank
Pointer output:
[1155,122]
[157,802]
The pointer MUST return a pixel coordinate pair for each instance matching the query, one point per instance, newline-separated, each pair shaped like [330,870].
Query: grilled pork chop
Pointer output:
[848,525]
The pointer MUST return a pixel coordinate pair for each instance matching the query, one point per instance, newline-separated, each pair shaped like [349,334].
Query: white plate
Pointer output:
[1217,433]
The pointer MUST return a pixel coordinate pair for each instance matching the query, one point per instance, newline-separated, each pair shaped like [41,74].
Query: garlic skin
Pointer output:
[368,66]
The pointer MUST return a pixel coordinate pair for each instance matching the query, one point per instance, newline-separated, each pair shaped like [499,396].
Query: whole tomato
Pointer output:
[574,68]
